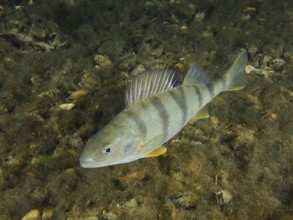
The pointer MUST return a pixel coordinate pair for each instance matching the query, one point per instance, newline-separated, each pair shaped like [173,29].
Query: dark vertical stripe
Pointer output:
[157,103]
[198,95]
[138,121]
[211,89]
[180,100]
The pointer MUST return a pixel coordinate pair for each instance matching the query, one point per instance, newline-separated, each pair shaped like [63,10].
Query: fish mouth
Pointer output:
[88,163]
[92,163]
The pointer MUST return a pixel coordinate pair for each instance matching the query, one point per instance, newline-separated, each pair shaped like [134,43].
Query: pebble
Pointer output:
[75,141]
[207,34]
[277,53]
[67,106]
[110,216]
[186,200]
[8,60]
[277,64]
[270,116]
[249,69]
[30,2]
[249,9]
[253,51]
[102,61]
[227,196]
[266,60]
[199,16]
[90,80]
[47,214]
[34,214]
[223,197]
[1,11]
[36,81]
[131,204]
[69,177]
[78,94]
[288,57]
[183,28]
[137,70]
[215,121]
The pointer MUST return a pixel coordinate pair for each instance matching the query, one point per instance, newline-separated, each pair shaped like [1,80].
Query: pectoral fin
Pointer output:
[157,152]
[203,113]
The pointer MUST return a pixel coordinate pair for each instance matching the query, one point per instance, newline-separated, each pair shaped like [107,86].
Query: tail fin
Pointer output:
[235,77]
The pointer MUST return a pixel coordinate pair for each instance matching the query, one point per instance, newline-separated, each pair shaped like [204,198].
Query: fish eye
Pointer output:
[108,149]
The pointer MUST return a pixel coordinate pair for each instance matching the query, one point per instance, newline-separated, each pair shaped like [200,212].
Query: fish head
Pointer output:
[109,146]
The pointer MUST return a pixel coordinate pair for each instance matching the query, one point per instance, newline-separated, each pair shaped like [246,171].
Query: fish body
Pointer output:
[157,109]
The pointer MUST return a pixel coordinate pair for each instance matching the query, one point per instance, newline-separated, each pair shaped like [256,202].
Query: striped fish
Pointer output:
[157,108]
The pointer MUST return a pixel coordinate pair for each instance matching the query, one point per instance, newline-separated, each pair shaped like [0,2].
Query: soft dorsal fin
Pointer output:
[148,84]
[196,75]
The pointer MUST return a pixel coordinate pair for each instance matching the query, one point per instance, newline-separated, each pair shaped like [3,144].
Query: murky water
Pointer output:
[63,69]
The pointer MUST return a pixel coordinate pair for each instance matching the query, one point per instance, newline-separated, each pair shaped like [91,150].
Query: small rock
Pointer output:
[34,214]
[37,160]
[131,204]
[47,214]
[186,200]
[223,197]
[111,216]
[199,16]
[215,121]
[249,69]
[30,2]
[69,177]
[253,51]
[1,11]
[90,80]
[3,108]
[288,56]
[183,28]
[249,10]
[207,34]
[277,64]
[75,141]
[58,152]
[227,196]
[137,70]
[102,61]
[67,106]
[266,60]
[36,81]
[277,53]
[78,94]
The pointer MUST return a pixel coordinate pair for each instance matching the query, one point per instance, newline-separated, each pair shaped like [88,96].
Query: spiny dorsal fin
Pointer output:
[196,75]
[148,84]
